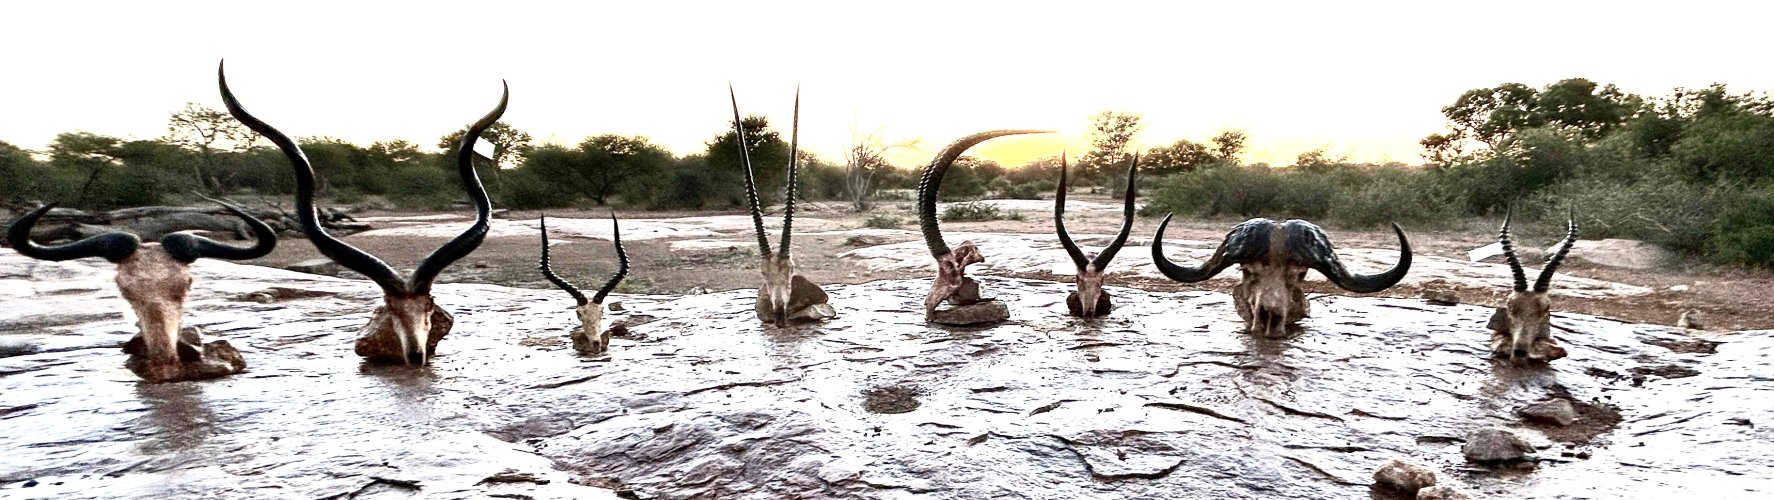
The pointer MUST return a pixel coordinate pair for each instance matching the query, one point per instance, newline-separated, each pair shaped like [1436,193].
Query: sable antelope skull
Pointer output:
[1274,259]
[786,296]
[952,283]
[1521,330]
[409,324]
[154,279]
[590,339]
[1090,300]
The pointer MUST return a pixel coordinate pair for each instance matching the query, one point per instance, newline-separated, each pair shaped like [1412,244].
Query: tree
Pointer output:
[509,146]
[862,162]
[769,160]
[1183,156]
[17,166]
[91,155]
[1110,134]
[207,130]
[1228,145]
[610,161]
[1491,116]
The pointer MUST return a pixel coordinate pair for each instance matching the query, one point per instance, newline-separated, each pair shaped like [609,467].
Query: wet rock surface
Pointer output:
[1492,446]
[1558,412]
[1164,399]
[1404,477]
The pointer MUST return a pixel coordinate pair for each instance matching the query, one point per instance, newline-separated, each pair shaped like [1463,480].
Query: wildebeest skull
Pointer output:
[1521,330]
[1089,300]
[1274,259]
[590,338]
[154,279]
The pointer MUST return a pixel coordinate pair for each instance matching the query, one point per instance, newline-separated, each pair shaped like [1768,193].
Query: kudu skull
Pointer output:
[590,339]
[1089,300]
[1274,259]
[786,297]
[154,279]
[1521,330]
[409,324]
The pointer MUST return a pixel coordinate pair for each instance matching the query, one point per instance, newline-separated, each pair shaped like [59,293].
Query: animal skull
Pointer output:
[1521,330]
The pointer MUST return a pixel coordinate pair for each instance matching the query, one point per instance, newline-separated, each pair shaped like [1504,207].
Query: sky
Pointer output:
[1364,79]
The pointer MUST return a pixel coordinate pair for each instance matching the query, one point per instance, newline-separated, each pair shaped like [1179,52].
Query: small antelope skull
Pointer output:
[1274,259]
[154,279]
[1521,330]
[1089,300]
[590,339]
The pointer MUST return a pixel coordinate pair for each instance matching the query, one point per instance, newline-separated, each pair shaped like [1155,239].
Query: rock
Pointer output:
[1558,411]
[1441,297]
[865,240]
[1404,477]
[1442,492]
[1493,254]
[14,347]
[323,267]
[278,294]
[479,264]
[198,361]
[967,294]
[1492,445]
[977,313]
[803,293]
[1630,254]
[616,306]
[1690,320]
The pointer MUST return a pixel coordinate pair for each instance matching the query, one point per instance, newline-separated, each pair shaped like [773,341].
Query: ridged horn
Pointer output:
[794,158]
[547,272]
[930,181]
[187,247]
[621,263]
[346,255]
[1313,248]
[751,184]
[465,243]
[1515,270]
[1187,274]
[1127,212]
[1059,218]
[1544,281]
[113,247]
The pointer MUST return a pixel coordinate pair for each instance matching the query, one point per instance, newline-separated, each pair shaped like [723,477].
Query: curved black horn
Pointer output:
[1059,218]
[1544,281]
[1108,253]
[187,247]
[1515,270]
[464,243]
[113,247]
[931,181]
[346,255]
[1222,257]
[751,184]
[621,263]
[548,272]
[794,157]
[1308,245]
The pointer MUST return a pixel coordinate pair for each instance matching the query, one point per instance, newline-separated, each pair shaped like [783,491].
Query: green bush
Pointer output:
[1745,233]
[883,222]
[975,211]
[1665,211]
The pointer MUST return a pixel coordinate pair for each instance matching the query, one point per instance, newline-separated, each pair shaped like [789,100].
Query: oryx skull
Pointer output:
[786,296]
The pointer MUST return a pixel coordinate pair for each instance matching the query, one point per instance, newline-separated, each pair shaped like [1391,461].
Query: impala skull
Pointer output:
[154,279]
[1521,330]
[590,339]
[786,297]
[408,326]
[1274,259]
[1089,300]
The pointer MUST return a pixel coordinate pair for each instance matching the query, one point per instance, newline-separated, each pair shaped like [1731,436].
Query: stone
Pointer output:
[1441,297]
[1492,446]
[13,347]
[806,302]
[1493,254]
[616,306]
[1557,411]
[967,294]
[323,267]
[1404,477]
[1629,254]
[377,343]
[865,240]
[1442,492]
[977,313]
[198,361]
[1690,320]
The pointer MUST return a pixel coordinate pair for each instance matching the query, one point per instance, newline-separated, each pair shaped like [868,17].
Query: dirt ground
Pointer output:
[1728,298]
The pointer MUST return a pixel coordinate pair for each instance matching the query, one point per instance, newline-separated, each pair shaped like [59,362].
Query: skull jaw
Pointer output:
[195,361]
[1262,315]
[379,341]
[806,302]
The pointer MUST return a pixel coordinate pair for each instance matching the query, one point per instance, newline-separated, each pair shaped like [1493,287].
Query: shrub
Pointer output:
[1745,233]
[882,222]
[975,211]
[1665,211]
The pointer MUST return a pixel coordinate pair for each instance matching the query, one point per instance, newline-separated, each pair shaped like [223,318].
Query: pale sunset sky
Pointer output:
[1366,79]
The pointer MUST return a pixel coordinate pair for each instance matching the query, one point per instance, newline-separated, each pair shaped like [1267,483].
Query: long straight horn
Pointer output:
[1544,281]
[931,181]
[346,255]
[1108,254]
[548,272]
[113,247]
[1521,277]
[1059,218]
[794,159]
[464,243]
[187,247]
[751,185]
[621,263]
